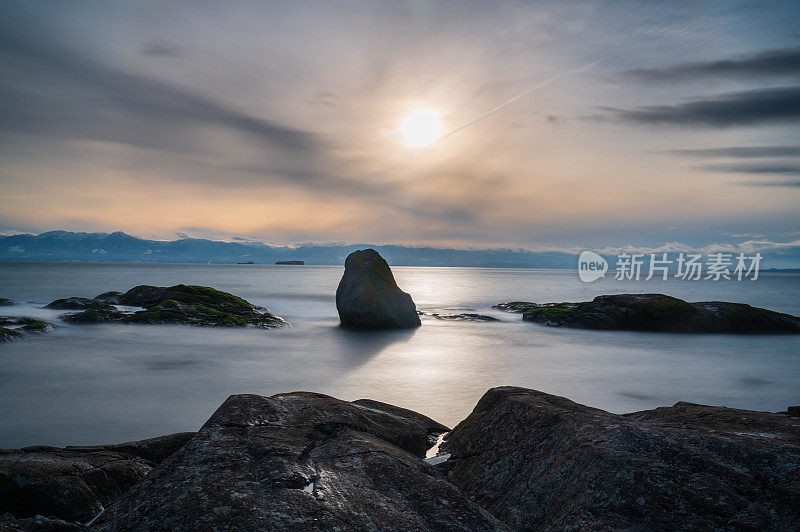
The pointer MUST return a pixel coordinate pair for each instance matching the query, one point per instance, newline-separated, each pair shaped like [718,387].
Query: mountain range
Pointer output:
[121,247]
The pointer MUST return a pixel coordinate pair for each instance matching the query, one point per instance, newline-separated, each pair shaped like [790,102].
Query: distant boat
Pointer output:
[248,262]
[292,262]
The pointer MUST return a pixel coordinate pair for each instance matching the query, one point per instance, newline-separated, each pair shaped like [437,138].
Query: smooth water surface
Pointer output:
[112,383]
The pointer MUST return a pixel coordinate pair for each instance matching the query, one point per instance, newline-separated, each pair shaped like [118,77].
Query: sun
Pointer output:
[420,128]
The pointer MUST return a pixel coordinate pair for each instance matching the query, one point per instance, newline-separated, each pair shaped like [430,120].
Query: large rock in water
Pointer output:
[656,312]
[300,461]
[541,462]
[368,296]
[179,304]
[76,483]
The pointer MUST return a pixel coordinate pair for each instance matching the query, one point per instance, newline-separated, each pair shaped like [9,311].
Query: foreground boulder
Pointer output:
[39,523]
[300,461]
[541,462]
[75,483]
[180,304]
[368,296]
[656,312]
[69,484]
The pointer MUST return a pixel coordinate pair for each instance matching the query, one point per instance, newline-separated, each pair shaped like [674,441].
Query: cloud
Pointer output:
[776,183]
[748,246]
[100,97]
[725,110]
[759,168]
[161,49]
[783,62]
[743,152]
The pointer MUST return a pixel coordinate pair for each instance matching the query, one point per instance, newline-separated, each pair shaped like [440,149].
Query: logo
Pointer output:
[591,266]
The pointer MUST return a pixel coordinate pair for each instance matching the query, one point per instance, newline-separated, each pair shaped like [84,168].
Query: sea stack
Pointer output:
[368,296]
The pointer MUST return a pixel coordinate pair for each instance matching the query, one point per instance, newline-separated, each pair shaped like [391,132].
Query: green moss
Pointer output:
[211,298]
[35,326]
[554,311]
[234,321]
[8,332]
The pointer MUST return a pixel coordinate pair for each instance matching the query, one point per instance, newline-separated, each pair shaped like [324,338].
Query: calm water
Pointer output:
[112,383]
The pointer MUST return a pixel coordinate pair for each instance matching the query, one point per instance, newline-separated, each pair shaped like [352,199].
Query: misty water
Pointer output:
[112,383]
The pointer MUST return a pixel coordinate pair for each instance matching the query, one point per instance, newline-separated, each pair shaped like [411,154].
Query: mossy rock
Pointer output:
[659,313]
[205,296]
[515,306]
[6,335]
[180,305]
[95,316]
[36,326]
[79,303]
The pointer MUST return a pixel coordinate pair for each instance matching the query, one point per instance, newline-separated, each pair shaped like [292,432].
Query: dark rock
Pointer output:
[9,523]
[111,297]
[78,303]
[21,326]
[542,462]
[5,302]
[461,316]
[424,424]
[154,450]
[368,296]
[181,304]
[36,326]
[793,410]
[516,306]
[657,312]
[66,483]
[6,335]
[16,320]
[95,316]
[298,461]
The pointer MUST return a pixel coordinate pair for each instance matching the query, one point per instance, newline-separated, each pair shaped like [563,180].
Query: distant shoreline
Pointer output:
[394,265]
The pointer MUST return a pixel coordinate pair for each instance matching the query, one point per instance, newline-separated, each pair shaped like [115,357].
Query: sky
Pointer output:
[649,125]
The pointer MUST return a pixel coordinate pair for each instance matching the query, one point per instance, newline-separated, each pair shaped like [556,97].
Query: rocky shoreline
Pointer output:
[522,460]
[155,305]
[656,313]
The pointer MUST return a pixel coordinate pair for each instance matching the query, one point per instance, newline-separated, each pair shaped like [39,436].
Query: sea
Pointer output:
[98,384]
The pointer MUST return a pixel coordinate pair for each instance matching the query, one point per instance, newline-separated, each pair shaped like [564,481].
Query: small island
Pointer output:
[291,262]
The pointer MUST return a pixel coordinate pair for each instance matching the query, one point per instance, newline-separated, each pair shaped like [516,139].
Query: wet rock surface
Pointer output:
[542,462]
[299,461]
[457,316]
[657,313]
[368,296]
[179,304]
[5,302]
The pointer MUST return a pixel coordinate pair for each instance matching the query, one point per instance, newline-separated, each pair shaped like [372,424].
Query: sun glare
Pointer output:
[420,128]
